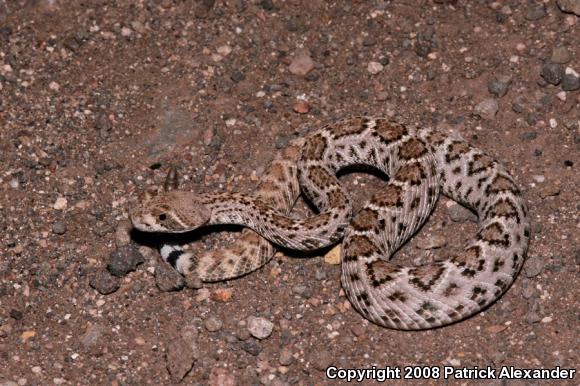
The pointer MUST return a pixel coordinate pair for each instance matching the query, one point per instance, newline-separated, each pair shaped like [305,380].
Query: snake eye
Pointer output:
[162,217]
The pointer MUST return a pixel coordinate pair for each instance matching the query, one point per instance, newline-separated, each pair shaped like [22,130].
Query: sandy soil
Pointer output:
[98,98]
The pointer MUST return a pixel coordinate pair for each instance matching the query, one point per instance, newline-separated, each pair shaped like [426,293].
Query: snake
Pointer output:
[421,163]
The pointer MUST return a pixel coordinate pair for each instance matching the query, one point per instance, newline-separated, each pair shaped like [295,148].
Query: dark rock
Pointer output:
[499,86]
[536,12]
[518,104]
[124,260]
[570,82]
[5,32]
[237,76]
[59,228]
[267,5]
[552,73]
[104,283]
[16,314]
[252,347]
[102,122]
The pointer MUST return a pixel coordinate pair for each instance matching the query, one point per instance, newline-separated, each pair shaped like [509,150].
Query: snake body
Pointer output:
[420,162]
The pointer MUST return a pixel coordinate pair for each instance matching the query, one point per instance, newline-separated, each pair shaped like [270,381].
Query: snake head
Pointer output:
[170,210]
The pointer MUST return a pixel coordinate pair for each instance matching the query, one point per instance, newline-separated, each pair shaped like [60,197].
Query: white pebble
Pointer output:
[539,178]
[259,327]
[547,319]
[374,67]
[224,50]
[562,96]
[125,31]
[553,123]
[36,369]
[54,86]
[60,203]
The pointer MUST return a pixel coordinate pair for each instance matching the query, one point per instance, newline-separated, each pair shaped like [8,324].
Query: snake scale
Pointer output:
[421,163]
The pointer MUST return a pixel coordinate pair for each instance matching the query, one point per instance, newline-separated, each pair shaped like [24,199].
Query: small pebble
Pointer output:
[213,324]
[60,203]
[570,80]
[104,283]
[486,109]
[459,213]
[321,359]
[179,359]
[552,73]
[302,290]
[374,67]
[301,107]
[332,257]
[432,242]
[536,12]
[124,260]
[499,86]
[59,228]
[533,266]
[301,65]
[259,327]
[286,357]
[222,295]
[518,104]
[237,76]
[222,377]
[168,279]
[252,347]
[560,55]
[92,335]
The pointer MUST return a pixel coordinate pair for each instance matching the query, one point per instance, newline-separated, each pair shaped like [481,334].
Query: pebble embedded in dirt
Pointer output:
[213,324]
[374,67]
[252,347]
[552,73]
[570,80]
[499,86]
[487,108]
[432,242]
[569,6]
[124,260]
[104,282]
[301,65]
[179,359]
[59,228]
[560,55]
[534,266]
[92,334]
[286,357]
[321,359]
[260,328]
[221,377]
[459,213]
[168,279]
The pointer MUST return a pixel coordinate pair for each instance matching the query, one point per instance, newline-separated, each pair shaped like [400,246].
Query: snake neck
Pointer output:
[318,231]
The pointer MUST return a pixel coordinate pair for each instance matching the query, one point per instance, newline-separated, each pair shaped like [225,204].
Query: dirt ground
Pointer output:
[99,97]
